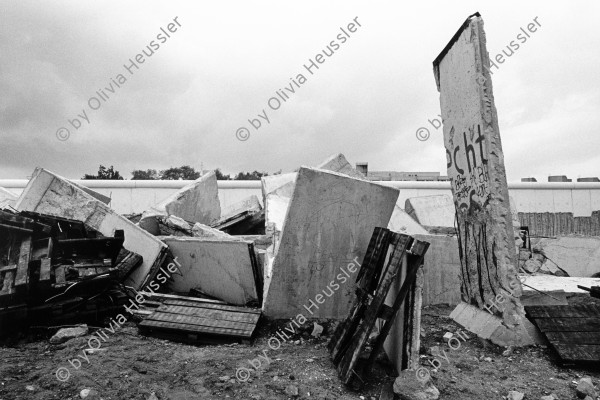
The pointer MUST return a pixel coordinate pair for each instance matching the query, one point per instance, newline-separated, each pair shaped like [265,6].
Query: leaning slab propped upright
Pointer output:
[475,164]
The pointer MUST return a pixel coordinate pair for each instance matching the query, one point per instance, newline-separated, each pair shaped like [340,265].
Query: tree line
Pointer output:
[184,172]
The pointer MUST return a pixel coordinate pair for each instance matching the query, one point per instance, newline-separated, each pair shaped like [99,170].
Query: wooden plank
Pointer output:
[350,357]
[568,324]
[22,276]
[8,268]
[45,269]
[573,337]
[222,315]
[203,325]
[252,311]
[370,270]
[578,353]
[579,311]
[190,336]
[414,264]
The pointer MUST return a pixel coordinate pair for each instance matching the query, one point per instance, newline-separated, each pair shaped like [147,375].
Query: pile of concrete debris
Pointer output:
[193,271]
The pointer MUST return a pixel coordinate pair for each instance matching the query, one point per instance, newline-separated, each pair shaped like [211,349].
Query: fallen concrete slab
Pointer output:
[201,230]
[435,210]
[488,326]
[271,183]
[328,225]
[223,268]
[196,202]
[338,163]
[578,256]
[48,193]
[401,222]
[98,196]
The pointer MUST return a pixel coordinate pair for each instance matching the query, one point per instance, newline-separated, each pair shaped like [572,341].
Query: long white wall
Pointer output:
[136,196]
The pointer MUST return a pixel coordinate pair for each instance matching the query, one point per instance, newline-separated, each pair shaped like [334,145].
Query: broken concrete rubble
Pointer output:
[51,194]
[224,268]
[243,218]
[328,225]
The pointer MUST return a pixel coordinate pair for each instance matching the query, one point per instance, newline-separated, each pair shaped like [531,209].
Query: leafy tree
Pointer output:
[105,173]
[185,172]
[147,175]
[221,176]
[250,176]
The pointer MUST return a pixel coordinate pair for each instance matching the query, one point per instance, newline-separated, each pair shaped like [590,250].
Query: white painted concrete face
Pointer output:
[328,225]
[432,210]
[219,267]
[196,202]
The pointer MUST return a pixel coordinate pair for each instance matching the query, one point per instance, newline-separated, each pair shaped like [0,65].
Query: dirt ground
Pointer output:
[131,366]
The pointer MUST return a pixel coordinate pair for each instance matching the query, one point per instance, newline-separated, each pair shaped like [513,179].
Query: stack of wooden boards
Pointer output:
[51,266]
[572,330]
[196,320]
[390,256]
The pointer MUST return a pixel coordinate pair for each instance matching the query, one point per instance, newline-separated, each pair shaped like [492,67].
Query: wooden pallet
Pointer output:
[573,331]
[383,263]
[200,322]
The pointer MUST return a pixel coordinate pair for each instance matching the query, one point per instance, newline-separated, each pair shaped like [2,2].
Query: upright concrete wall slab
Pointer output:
[441,268]
[435,210]
[196,202]
[219,267]
[51,194]
[475,165]
[328,225]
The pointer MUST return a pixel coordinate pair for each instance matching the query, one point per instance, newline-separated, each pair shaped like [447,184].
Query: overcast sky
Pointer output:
[227,59]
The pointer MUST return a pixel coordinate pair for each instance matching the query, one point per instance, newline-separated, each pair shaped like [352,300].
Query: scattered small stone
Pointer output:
[551,396]
[152,396]
[448,336]
[292,390]
[488,359]
[89,394]
[514,395]
[297,342]
[310,360]
[224,378]
[585,387]
[317,330]
[509,350]
[66,334]
[409,387]
[30,388]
